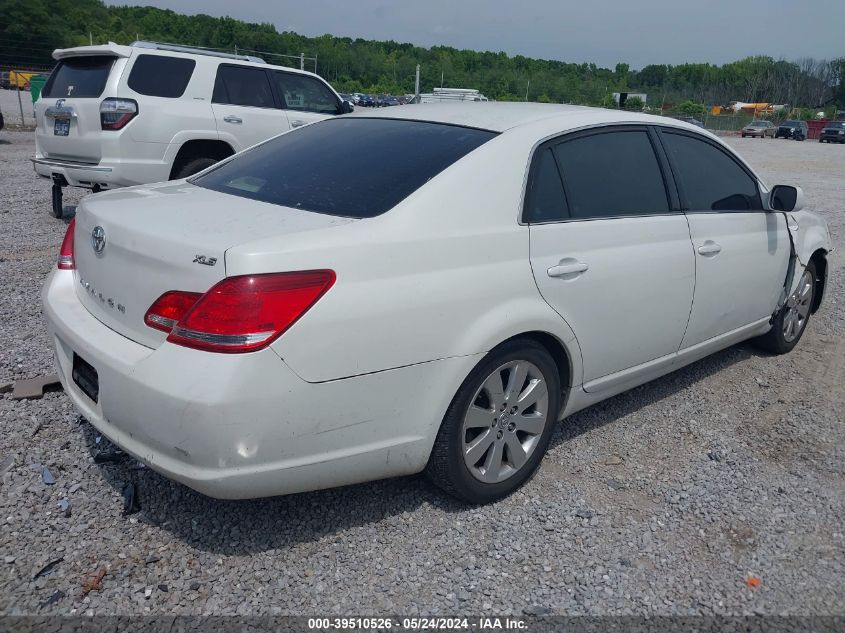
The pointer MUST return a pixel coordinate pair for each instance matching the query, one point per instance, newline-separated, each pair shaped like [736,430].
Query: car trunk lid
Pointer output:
[169,236]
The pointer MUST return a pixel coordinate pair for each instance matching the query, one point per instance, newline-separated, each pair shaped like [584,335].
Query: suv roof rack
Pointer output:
[196,50]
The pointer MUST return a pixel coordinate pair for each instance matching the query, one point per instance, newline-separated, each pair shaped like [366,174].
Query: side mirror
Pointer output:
[786,198]
[346,107]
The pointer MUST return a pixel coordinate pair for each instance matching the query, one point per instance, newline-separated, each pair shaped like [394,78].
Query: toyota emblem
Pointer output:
[98,239]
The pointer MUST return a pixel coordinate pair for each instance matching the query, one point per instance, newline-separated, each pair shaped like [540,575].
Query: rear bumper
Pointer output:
[105,174]
[244,425]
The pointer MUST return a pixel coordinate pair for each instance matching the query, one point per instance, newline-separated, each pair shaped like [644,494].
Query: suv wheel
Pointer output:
[499,424]
[193,166]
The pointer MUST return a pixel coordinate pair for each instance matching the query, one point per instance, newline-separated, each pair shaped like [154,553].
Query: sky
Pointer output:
[636,32]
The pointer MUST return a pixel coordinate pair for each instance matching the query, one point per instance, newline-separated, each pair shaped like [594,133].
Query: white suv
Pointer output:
[114,116]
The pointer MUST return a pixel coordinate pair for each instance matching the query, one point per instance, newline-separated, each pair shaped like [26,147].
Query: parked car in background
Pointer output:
[240,332]
[112,116]
[793,129]
[367,101]
[759,128]
[833,132]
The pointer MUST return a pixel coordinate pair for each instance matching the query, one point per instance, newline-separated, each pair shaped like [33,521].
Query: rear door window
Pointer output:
[243,86]
[160,75]
[319,168]
[708,178]
[612,174]
[308,94]
[79,77]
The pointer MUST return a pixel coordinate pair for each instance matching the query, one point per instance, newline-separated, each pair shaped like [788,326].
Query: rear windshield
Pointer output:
[79,77]
[354,167]
[836,124]
[792,123]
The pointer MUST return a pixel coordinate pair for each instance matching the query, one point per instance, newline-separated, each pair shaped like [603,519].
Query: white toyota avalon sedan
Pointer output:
[297,318]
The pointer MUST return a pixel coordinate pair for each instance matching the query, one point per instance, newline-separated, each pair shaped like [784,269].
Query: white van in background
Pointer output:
[114,116]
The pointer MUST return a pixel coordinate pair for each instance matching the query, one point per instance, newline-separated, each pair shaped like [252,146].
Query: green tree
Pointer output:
[693,109]
[634,103]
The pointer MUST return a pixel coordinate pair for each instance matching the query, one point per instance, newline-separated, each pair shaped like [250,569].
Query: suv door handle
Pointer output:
[297,123]
[709,248]
[567,266]
[233,119]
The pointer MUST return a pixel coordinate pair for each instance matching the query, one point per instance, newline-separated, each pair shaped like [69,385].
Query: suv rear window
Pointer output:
[79,77]
[353,167]
[161,76]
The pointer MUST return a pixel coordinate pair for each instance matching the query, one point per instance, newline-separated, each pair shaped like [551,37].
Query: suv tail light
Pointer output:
[239,314]
[65,261]
[116,113]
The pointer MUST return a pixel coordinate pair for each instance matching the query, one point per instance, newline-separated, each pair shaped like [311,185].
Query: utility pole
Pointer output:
[526,89]
[417,86]
[91,38]
[315,65]
[302,61]
[441,79]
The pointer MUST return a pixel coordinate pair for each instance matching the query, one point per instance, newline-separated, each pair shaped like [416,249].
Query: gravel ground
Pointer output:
[669,499]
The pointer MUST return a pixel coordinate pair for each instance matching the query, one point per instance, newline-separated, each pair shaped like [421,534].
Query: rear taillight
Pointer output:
[116,113]
[246,313]
[65,261]
[169,308]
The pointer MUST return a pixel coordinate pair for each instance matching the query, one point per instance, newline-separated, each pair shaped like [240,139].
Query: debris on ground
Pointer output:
[64,506]
[53,599]
[752,581]
[6,387]
[47,568]
[34,388]
[613,460]
[47,476]
[130,499]
[94,582]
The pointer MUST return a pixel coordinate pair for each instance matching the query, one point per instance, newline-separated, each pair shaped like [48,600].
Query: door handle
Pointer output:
[233,119]
[566,267]
[709,248]
[297,123]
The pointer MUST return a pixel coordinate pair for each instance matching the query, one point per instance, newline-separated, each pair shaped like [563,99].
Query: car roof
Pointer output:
[119,50]
[502,116]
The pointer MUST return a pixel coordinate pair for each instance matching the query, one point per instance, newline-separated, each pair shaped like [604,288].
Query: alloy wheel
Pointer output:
[504,421]
[798,308]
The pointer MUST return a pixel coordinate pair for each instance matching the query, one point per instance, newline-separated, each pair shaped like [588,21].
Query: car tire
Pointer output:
[790,323]
[193,166]
[495,468]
